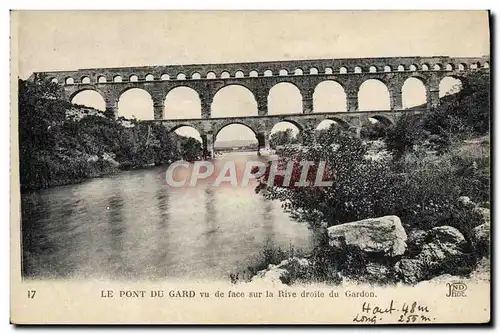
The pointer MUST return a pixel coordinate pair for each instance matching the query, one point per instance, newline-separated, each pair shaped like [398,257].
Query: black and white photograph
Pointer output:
[318,155]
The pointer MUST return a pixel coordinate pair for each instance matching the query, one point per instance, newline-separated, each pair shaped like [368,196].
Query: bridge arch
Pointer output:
[284,98]
[329,96]
[234,100]
[89,97]
[135,102]
[187,130]
[182,102]
[336,121]
[373,94]
[413,93]
[450,85]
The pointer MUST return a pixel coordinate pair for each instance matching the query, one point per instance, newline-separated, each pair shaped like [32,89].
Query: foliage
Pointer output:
[280,138]
[460,116]
[57,148]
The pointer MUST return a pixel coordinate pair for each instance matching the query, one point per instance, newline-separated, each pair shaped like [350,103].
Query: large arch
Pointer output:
[333,121]
[373,94]
[181,103]
[89,98]
[413,93]
[284,98]
[234,101]
[187,131]
[329,96]
[136,103]
[449,86]
[235,135]
[284,132]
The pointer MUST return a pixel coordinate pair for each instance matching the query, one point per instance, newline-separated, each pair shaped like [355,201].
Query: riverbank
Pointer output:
[62,143]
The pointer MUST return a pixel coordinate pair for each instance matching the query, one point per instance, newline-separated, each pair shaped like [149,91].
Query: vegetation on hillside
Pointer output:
[56,148]
[434,163]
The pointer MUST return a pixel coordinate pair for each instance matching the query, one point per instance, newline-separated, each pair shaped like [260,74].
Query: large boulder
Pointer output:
[383,235]
[443,246]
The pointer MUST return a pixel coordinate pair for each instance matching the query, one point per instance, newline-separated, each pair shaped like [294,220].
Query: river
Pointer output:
[133,226]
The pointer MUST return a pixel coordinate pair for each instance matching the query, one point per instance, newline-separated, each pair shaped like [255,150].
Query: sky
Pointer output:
[66,40]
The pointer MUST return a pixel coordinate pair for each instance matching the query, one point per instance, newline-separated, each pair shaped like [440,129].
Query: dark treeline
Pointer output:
[58,146]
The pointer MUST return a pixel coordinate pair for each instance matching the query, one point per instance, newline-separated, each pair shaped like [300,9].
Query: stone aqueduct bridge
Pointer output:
[260,77]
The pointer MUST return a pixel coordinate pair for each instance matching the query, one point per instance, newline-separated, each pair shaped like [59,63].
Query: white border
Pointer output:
[184,4]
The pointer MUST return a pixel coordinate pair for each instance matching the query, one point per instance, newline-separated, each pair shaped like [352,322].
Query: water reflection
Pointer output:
[133,226]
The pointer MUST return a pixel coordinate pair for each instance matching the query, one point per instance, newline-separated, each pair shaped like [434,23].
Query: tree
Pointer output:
[280,138]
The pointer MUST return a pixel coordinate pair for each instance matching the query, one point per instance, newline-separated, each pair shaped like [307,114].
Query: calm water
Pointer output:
[133,226]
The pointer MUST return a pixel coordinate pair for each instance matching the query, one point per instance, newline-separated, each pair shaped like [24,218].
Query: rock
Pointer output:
[288,271]
[410,271]
[375,235]
[445,242]
[480,237]
[376,272]
[93,158]
[485,214]
[443,246]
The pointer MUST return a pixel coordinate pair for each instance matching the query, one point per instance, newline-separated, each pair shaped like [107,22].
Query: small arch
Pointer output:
[54,80]
[461,67]
[486,65]
[328,70]
[449,67]
[473,66]
[313,70]
[225,75]
[239,74]
[373,69]
[165,76]
[69,81]
[413,68]
[211,75]
[387,68]
[401,68]
[299,71]
[254,74]
[133,78]
[150,77]
[85,80]
[358,69]
[181,76]
[425,67]
[268,73]
[196,76]
[437,67]
[117,78]
[283,72]
[102,79]
[343,70]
